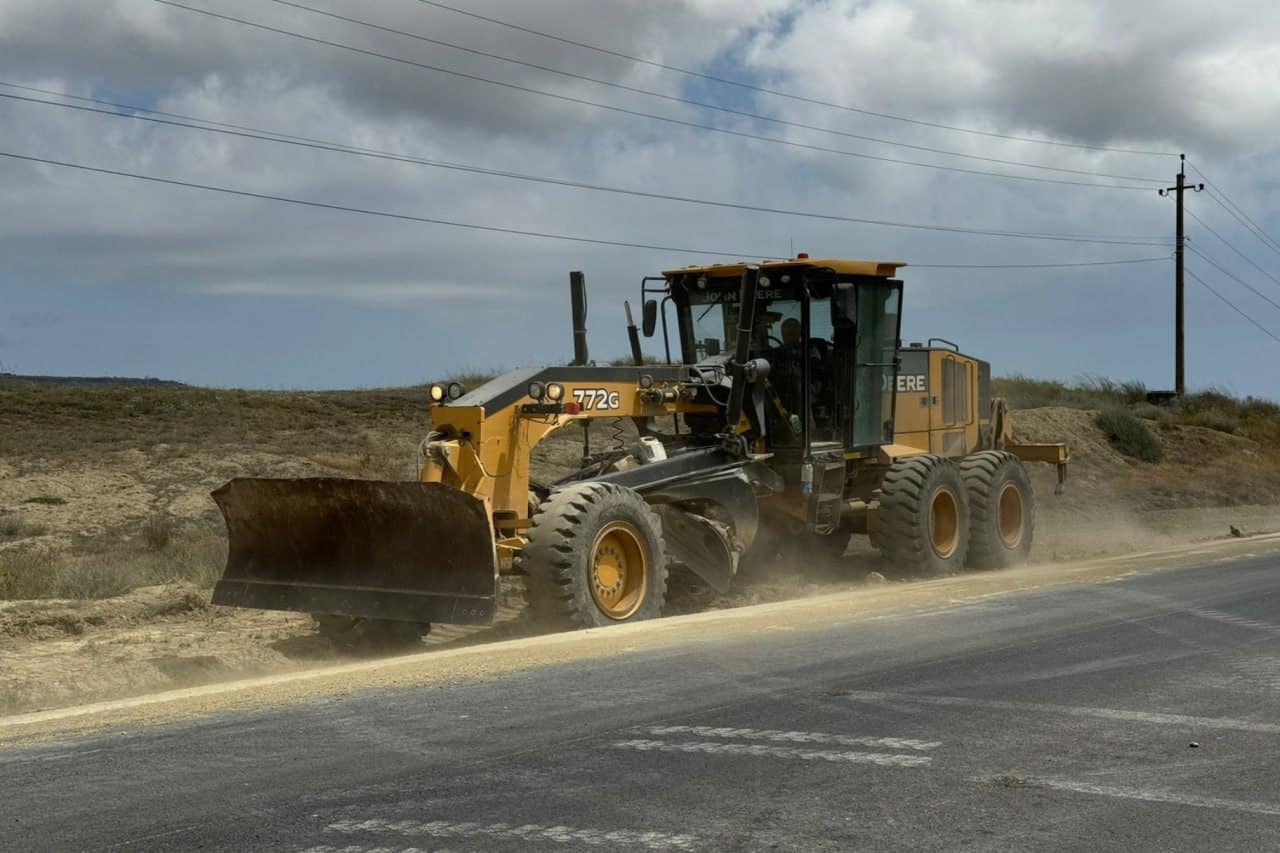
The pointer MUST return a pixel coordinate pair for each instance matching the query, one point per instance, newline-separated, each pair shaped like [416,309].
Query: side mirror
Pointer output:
[844,305]
[649,317]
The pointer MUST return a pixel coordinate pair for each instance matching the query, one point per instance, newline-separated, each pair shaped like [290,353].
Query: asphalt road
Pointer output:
[1142,714]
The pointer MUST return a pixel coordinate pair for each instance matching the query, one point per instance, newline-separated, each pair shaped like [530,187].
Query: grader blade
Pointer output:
[410,552]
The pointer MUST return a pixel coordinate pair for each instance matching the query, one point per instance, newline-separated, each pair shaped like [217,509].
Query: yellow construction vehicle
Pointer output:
[790,418]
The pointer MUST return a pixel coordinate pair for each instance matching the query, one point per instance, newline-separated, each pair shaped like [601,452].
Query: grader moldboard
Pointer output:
[792,419]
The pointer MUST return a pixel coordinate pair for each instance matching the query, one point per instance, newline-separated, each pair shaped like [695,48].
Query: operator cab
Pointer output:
[827,328]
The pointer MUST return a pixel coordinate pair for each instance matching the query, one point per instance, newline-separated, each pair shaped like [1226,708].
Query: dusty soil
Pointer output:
[82,470]
[491,659]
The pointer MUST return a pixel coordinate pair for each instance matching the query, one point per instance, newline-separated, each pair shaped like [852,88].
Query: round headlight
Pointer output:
[646,381]
[555,391]
[436,393]
[537,390]
[456,390]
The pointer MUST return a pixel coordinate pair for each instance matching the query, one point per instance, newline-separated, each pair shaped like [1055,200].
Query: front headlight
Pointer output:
[456,390]
[555,392]
[537,390]
[436,393]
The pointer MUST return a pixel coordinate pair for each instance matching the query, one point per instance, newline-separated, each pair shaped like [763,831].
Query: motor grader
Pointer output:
[789,418]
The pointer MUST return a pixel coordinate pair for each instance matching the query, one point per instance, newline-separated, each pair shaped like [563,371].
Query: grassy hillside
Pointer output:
[105,488]
[1249,417]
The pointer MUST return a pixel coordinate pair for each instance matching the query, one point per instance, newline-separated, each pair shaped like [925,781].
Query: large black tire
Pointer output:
[354,634]
[922,524]
[594,557]
[1002,509]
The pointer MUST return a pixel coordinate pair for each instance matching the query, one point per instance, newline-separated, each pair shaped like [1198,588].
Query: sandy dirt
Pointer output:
[492,659]
[55,653]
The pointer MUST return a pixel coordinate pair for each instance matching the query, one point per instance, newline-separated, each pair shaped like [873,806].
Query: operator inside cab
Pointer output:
[786,355]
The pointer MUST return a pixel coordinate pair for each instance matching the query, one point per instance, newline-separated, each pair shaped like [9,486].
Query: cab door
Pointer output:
[875,362]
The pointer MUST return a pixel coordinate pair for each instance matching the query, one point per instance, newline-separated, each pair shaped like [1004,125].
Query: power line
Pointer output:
[1233,307]
[1221,199]
[1240,216]
[430,220]
[704,105]
[622,110]
[789,95]
[1036,266]
[245,132]
[1236,210]
[364,211]
[1220,268]
[1232,247]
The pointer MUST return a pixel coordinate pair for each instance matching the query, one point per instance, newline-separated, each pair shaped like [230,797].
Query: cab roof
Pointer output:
[884,269]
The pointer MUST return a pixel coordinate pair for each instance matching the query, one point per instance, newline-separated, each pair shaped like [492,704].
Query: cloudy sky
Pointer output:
[108,275]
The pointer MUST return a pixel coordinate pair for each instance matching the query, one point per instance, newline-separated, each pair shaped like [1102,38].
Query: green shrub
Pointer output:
[1130,435]
[157,531]
[1215,419]
[13,527]
[46,500]
[26,573]
[1149,412]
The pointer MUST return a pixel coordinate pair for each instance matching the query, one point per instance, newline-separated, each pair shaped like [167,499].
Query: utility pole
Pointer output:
[1179,320]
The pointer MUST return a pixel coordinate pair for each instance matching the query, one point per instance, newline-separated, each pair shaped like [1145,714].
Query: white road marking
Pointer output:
[1209,613]
[634,839]
[1157,796]
[794,737]
[358,848]
[884,759]
[1070,710]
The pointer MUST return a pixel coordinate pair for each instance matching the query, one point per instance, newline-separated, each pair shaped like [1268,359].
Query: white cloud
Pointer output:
[1136,73]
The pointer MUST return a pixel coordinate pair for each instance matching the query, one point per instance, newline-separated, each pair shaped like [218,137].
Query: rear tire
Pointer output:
[594,557]
[922,524]
[1002,515]
[355,634]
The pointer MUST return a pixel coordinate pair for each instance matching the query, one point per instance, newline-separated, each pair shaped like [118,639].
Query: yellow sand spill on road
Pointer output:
[488,660]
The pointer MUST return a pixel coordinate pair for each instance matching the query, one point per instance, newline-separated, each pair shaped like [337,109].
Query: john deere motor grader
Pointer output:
[791,419]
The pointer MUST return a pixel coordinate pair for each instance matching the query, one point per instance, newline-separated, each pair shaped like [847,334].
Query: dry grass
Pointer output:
[118,475]
[42,423]
[157,531]
[13,527]
[1251,417]
[196,556]
[184,434]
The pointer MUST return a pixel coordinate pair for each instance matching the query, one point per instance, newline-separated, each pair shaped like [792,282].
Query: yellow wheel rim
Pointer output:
[1010,518]
[619,570]
[944,523]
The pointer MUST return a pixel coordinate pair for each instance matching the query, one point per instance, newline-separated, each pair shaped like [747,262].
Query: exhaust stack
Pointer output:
[578,301]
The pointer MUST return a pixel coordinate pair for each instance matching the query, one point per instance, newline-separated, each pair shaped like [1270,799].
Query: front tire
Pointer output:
[1002,509]
[922,524]
[594,557]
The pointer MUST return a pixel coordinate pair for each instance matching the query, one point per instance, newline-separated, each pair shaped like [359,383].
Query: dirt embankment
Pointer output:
[1208,483]
[105,515]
